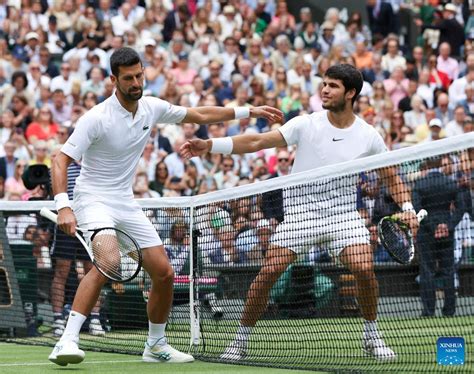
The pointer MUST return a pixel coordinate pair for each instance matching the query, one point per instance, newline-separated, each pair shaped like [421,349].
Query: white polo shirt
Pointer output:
[319,144]
[110,142]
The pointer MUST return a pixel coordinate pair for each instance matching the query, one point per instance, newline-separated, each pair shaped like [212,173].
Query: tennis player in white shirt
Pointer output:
[109,139]
[326,215]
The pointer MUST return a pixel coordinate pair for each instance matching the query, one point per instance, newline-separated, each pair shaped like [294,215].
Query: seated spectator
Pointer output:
[14,185]
[177,246]
[6,126]
[397,85]
[362,56]
[393,58]
[44,128]
[226,177]
[95,83]
[40,155]
[456,126]
[20,226]
[291,104]
[183,73]
[437,77]
[416,116]
[160,179]
[23,113]
[468,102]
[141,187]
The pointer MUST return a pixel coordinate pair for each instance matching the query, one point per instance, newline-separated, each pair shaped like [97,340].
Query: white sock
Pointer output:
[370,328]
[73,326]
[156,331]
[243,333]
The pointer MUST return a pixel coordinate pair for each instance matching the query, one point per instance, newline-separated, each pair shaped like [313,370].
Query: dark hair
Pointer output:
[20,74]
[351,77]
[123,57]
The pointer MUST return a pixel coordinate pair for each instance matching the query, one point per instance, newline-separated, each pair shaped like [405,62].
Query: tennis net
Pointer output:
[218,242]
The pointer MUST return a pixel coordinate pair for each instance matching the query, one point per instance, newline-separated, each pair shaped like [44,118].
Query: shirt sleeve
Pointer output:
[85,133]
[292,130]
[378,144]
[165,112]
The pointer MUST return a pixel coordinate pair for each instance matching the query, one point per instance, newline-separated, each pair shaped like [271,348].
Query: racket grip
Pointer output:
[421,215]
[46,213]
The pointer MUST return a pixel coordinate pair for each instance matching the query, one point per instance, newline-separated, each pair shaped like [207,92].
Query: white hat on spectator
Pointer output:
[32,35]
[436,122]
[327,25]
[263,2]
[149,41]
[263,224]
[451,8]
[228,9]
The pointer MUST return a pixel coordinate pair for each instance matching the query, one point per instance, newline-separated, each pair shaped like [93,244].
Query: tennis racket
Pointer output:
[397,238]
[113,252]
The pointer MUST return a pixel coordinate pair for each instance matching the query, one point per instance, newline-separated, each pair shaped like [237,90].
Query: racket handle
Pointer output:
[46,213]
[421,215]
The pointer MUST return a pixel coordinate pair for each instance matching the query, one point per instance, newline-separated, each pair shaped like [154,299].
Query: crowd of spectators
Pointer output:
[54,66]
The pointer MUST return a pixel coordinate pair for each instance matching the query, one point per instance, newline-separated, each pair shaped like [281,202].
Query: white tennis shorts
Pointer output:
[300,231]
[125,214]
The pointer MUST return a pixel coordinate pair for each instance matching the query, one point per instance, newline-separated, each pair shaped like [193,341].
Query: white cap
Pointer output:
[149,41]
[229,9]
[31,35]
[436,122]
[451,8]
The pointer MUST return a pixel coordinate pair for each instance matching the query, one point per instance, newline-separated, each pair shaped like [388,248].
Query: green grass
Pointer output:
[317,344]
[25,359]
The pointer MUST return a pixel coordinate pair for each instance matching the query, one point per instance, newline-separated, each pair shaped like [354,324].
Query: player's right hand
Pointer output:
[67,221]
[195,147]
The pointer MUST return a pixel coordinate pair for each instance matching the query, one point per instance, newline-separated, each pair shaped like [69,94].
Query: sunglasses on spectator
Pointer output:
[228,165]
[283,159]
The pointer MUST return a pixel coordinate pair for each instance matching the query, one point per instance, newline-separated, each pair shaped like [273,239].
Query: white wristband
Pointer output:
[222,145]
[62,201]
[241,112]
[407,207]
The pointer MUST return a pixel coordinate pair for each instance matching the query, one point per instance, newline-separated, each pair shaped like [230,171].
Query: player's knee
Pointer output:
[164,275]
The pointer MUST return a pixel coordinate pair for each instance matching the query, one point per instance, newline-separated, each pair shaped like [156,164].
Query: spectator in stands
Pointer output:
[8,162]
[435,130]
[456,126]
[14,184]
[416,116]
[443,111]
[44,128]
[6,127]
[283,56]
[381,17]
[397,85]
[160,179]
[468,102]
[450,30]
[60,108]
[177,246]
[226,177]
[436,193]
[447,64]
[41,155]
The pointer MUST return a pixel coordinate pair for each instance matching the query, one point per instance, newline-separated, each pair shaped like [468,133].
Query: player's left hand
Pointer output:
[269,113]
[411,220]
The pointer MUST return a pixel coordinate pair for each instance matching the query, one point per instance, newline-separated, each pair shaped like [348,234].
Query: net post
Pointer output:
[193,297]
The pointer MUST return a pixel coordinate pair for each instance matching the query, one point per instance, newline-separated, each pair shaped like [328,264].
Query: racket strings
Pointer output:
[397,239]
[115,253]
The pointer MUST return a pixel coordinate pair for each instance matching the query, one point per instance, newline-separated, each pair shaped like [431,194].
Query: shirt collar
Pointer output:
[125,112]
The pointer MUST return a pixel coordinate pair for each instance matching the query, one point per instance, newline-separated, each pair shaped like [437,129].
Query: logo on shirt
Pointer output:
[146,127]
[337,140]
[72,144]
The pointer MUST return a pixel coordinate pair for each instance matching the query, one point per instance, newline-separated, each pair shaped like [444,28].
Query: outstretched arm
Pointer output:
[238,144]
[211,114]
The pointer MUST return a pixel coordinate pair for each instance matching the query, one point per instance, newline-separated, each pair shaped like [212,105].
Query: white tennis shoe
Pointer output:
[95,327]
[66,352]
[235,351]
[161,351]
[375,347]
